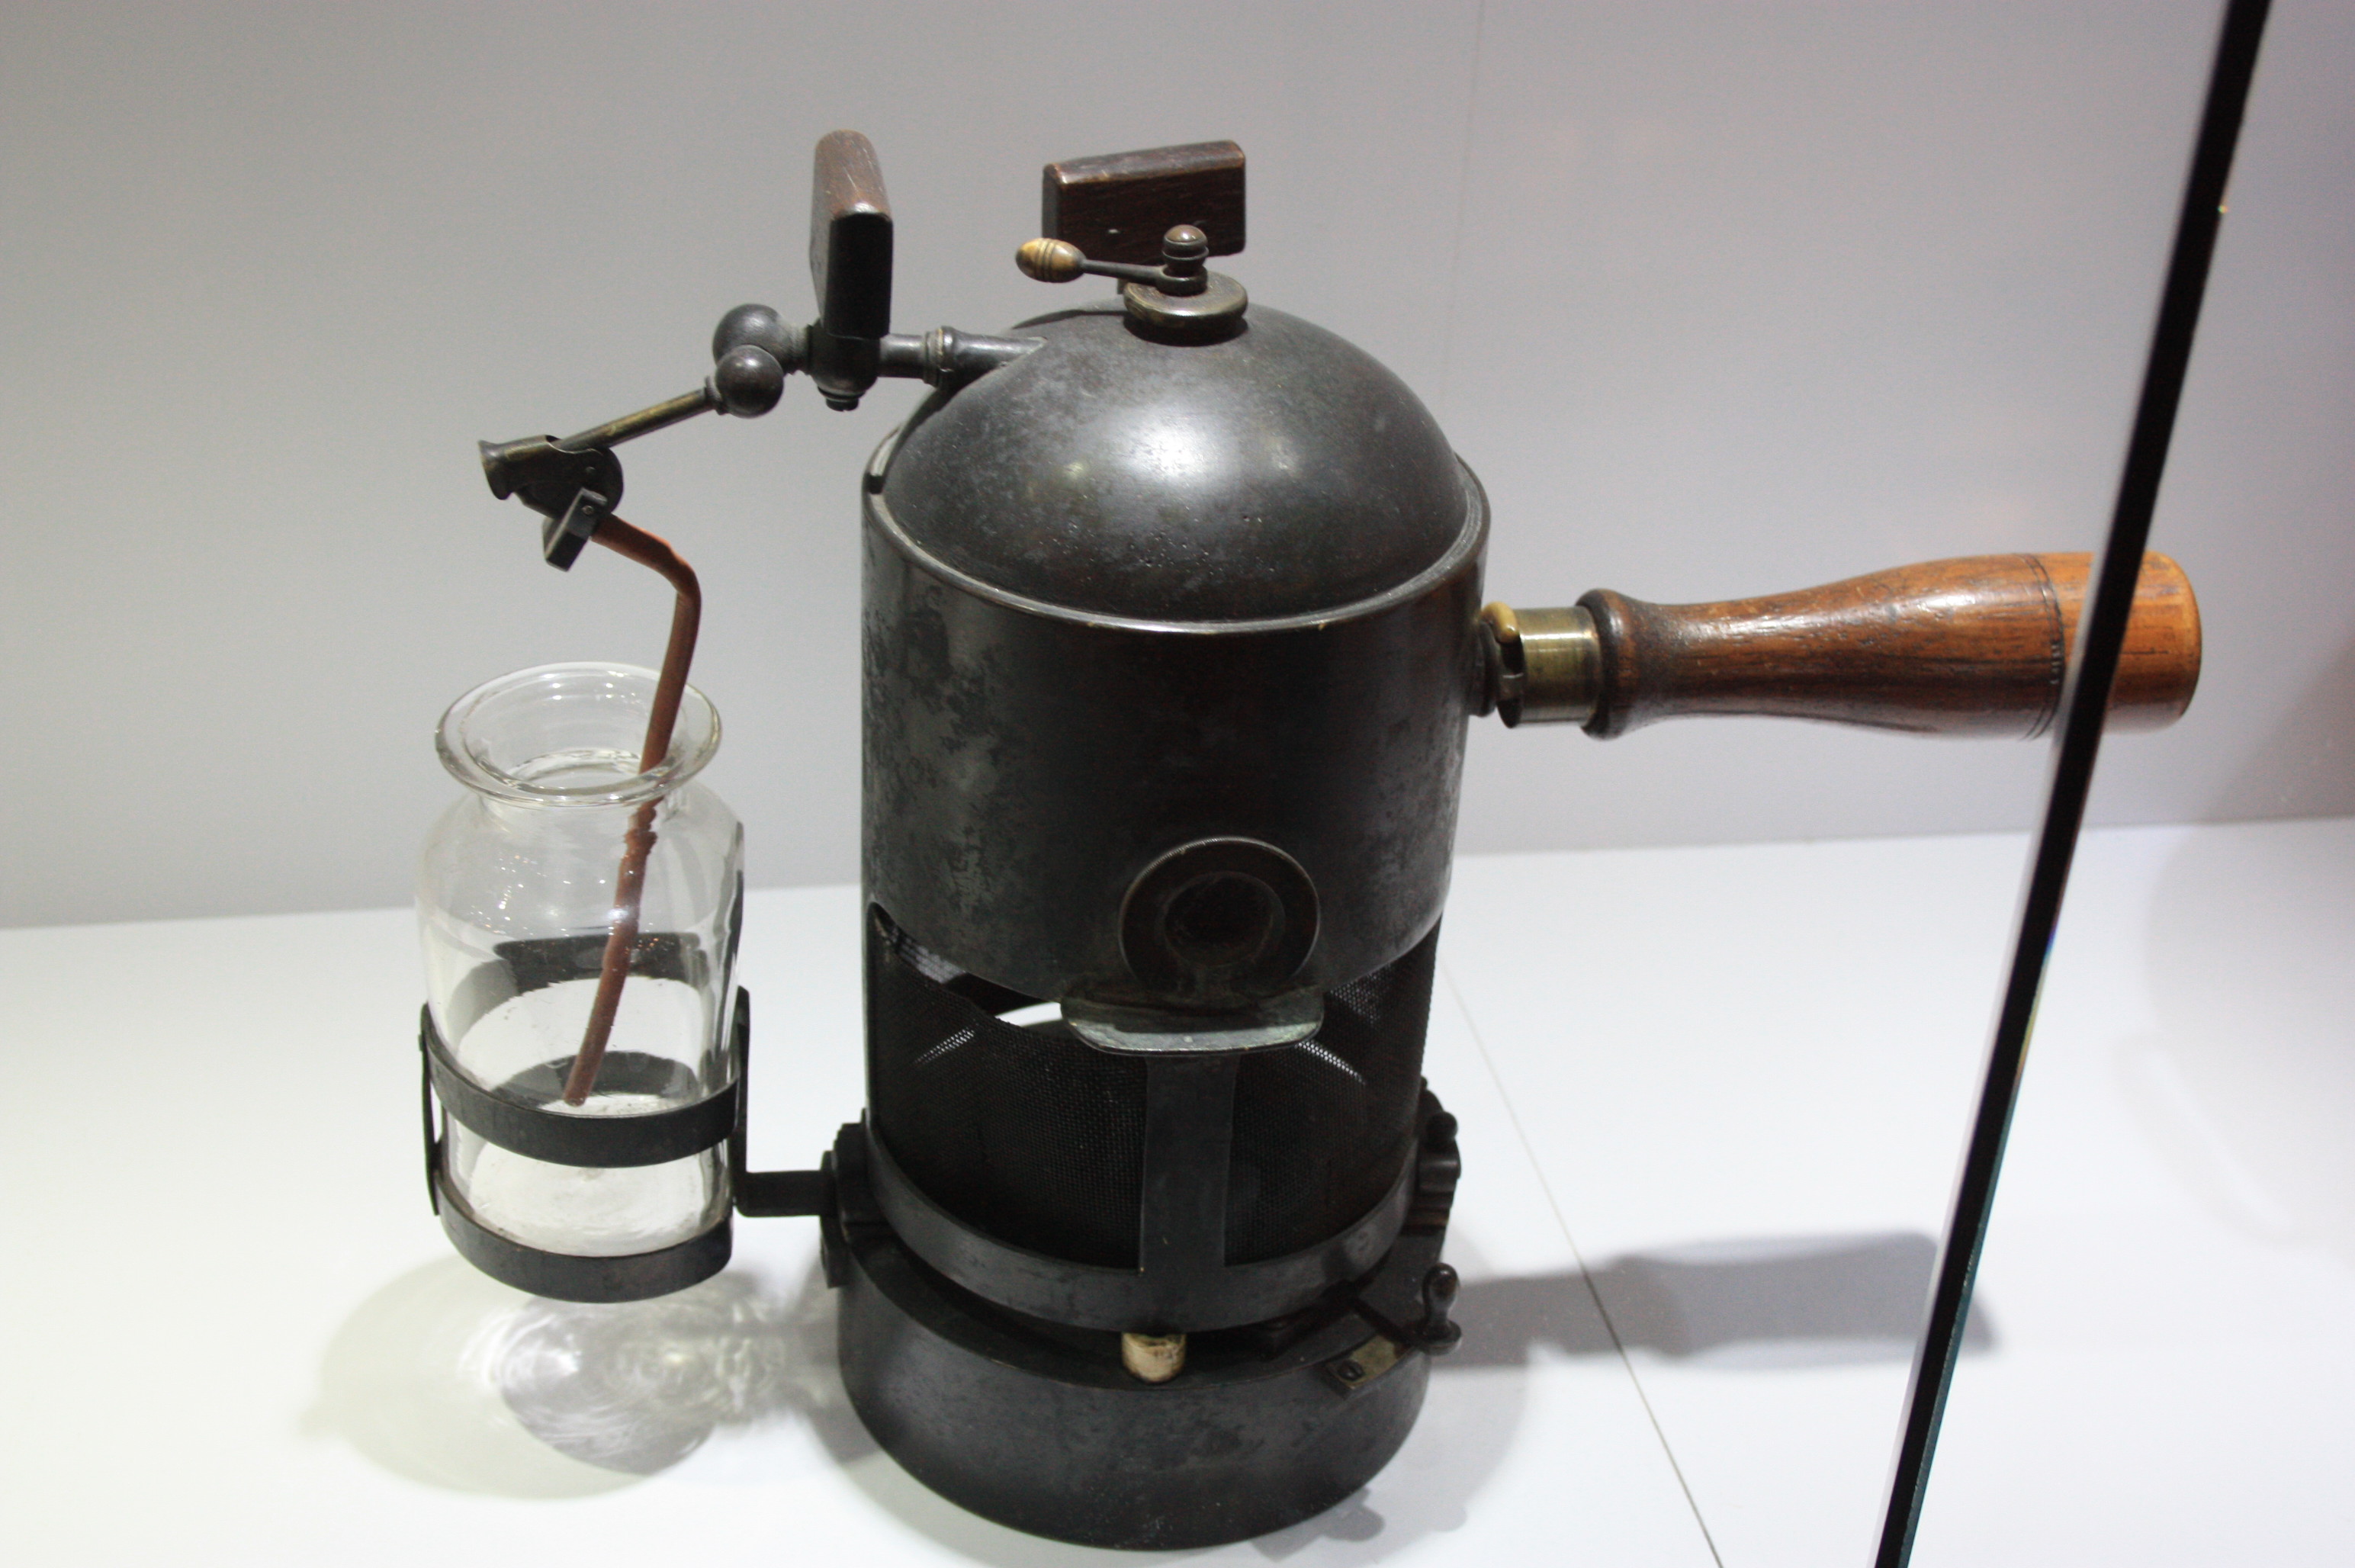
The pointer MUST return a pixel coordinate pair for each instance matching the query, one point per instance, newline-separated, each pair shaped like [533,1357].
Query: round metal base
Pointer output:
[1037,1426]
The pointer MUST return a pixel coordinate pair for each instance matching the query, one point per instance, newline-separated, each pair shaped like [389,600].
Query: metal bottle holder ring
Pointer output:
[507,1120]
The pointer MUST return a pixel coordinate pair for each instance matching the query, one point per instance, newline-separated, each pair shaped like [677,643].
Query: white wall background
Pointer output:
[1718,299]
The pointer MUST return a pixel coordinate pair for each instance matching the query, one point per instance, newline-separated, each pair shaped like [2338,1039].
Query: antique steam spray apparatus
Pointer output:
[1173,627]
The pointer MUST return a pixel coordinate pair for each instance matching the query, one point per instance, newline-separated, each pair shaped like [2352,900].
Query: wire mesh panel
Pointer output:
[1322,1128]
[1026,1133]
[1033,1135]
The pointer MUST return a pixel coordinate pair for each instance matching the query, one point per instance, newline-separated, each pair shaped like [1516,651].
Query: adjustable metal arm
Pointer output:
[577,481]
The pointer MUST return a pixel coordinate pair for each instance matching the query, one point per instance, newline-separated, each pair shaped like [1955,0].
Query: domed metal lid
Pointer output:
[1280,472]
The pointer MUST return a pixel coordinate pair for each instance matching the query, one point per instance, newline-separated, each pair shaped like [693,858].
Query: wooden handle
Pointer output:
[1974,646]
[1115,208]
[851,238]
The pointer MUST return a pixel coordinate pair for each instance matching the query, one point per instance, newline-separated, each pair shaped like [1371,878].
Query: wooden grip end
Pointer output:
[1977,646]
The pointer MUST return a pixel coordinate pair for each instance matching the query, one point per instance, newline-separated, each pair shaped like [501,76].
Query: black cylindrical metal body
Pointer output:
[1122,596]
[1168,650]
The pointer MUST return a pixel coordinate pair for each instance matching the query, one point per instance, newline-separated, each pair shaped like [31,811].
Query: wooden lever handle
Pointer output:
[851,238]
[1973,646]
[1115,208]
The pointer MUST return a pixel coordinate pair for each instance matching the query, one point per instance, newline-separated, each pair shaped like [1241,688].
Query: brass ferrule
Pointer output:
[1548,667]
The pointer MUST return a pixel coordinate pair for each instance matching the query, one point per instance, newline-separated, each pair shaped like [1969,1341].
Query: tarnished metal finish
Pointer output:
[1219,923]
[1545,665]
[946,356]
[1367,1363]
[761,326]
[1045,1428]
[1281,473]
[1038,1429]
[1177,302]
[1216,310]
[1206,1294]
[746,383]
[1169,638]
[645,421]
[1122,596]
[1024,768]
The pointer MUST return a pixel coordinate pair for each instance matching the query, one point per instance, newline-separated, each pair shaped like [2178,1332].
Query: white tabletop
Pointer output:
[1712,1103]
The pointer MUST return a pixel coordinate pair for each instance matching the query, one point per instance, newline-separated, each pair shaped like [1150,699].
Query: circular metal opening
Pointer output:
[1219,923]
[1222,919]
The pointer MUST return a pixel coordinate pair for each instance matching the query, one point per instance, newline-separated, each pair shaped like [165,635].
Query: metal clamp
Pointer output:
[597,1142]
[602,1142]
[562,1276]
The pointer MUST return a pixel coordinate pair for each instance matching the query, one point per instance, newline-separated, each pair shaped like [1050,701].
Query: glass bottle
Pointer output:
[516,898]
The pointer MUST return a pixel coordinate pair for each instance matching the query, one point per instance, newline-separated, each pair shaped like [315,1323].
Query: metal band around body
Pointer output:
[603,1142]
[1089,1295]
[570,1276]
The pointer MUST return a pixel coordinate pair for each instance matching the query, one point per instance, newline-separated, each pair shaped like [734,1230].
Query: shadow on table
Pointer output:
[448,1377]
[1801,1301]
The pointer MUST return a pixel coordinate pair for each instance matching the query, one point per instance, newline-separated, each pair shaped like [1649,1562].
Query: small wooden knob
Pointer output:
[1050,261]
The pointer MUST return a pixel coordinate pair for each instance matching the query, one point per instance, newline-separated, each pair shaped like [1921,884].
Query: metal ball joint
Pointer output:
[753,350]
[747,382]
[761,326]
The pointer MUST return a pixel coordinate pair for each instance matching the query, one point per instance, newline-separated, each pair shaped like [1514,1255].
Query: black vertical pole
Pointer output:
[2084,698]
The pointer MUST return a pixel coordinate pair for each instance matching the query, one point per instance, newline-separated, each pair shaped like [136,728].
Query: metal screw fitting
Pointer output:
[1183,251]
[1437,1336]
